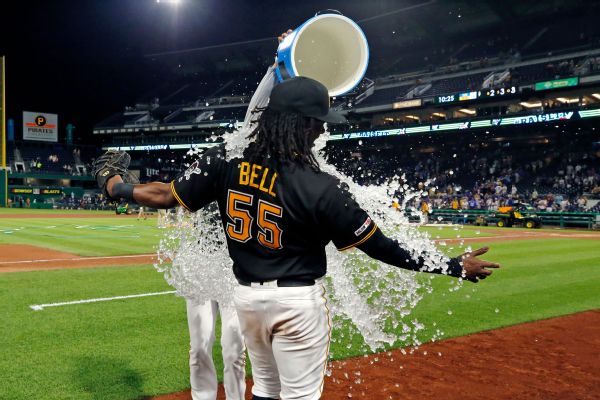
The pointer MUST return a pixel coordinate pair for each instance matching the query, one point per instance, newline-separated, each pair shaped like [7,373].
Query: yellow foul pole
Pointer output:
[3,170]
[3,116]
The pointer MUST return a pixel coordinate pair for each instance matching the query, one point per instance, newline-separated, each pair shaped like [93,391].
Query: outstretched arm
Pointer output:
[389,251]
[154,194]
[350,226]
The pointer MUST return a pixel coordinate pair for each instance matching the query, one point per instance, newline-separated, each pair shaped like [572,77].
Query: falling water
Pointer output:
[369,299]
[377,298]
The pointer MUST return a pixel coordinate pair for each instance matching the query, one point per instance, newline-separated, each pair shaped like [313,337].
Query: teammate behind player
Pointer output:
[202,316]
[279,211]
[142,213]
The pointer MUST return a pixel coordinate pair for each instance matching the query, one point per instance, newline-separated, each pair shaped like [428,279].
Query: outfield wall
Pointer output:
[560,219]
[3,187]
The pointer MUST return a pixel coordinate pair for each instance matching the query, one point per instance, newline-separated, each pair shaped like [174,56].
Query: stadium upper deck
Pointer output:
[478,82]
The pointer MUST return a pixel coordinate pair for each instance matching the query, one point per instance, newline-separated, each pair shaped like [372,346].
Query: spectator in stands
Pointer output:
[513,191]
[542,204]
[425,209]
[534,194]
[455,204]
[472,204]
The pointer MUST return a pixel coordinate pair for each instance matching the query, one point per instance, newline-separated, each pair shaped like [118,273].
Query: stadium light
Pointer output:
[467,111]
[530,105]
[567,100]
[175,2]
[596,95]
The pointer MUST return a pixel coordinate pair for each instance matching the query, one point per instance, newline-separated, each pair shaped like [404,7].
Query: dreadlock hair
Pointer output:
[285,137]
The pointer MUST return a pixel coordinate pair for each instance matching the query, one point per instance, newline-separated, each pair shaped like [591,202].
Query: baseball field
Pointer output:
[86,316]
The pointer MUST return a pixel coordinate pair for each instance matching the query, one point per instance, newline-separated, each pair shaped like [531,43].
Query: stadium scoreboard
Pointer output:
[507,91]
[475,95]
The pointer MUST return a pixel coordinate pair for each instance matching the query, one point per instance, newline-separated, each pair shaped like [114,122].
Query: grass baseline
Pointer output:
[129,349]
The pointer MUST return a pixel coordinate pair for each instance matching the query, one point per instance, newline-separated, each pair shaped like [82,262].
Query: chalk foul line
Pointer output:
[40,307]
[79,259]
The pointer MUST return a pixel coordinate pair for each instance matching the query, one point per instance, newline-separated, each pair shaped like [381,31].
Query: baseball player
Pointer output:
[279,211]
[202,316]
[142,213]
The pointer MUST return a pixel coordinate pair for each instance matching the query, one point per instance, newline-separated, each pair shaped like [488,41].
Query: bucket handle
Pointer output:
[328,11]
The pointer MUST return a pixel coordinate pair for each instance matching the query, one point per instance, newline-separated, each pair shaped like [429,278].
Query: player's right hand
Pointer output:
[474,268]
[280,39]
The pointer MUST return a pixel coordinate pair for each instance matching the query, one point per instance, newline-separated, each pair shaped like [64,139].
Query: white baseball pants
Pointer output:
[203,377]
[287,332]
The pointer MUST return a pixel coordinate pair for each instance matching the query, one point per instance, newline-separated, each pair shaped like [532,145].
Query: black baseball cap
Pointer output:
[304,96]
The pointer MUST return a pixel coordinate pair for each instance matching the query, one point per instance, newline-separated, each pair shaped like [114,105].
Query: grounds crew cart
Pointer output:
[519,214]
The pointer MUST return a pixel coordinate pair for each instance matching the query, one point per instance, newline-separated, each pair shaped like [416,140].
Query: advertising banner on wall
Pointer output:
[40,126]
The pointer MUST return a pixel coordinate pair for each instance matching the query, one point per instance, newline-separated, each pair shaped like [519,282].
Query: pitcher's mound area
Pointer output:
[22,257]
[556,358]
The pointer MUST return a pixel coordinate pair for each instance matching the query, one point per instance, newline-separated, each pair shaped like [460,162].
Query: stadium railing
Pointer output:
[559,219]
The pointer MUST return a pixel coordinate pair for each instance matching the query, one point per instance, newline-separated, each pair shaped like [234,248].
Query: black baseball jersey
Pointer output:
[277,219]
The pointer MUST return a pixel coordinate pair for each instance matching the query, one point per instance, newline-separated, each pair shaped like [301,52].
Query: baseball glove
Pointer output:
[110,164]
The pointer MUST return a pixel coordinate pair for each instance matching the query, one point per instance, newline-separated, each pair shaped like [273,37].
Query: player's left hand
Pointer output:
[474,268]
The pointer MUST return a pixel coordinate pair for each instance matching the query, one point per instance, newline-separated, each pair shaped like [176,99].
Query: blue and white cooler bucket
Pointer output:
[329,48]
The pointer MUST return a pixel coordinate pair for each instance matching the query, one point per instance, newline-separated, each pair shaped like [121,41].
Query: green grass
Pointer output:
[22,211]
[123,235]
[110,350]
[131,348]
[128,349]
[83,236]
[538,279]
[452,232]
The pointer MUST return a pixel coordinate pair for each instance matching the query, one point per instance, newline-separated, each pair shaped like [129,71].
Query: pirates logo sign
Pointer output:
[40,120]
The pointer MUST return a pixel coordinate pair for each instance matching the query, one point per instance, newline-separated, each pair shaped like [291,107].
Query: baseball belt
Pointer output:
[283,282]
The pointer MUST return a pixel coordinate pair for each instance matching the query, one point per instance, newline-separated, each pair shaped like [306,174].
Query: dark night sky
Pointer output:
[83,59]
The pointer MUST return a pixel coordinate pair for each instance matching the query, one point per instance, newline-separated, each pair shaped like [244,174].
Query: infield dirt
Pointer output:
[22,258]
[551,359]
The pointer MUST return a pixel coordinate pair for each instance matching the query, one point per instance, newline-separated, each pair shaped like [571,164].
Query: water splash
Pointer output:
[192,255]
[377,298]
